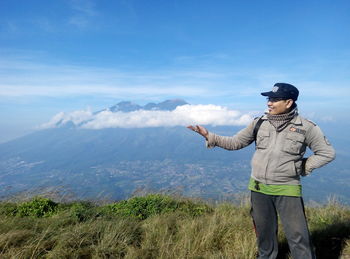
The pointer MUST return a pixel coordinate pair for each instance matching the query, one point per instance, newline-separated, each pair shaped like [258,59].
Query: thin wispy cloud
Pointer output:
[182,116]
[84,11]
[10,27]
[325,89]
[23,75]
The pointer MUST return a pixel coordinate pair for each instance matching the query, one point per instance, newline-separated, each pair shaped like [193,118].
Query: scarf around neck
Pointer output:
[280,121]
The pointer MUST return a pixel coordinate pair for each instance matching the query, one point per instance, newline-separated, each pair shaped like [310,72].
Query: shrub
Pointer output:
[8,209]
[38,207]
[82,211]
[153,204]
[194,209]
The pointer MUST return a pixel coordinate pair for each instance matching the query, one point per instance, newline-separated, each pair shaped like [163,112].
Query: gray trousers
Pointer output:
[265,209]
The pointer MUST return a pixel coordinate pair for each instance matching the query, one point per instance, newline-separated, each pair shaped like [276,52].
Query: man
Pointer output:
[281,138]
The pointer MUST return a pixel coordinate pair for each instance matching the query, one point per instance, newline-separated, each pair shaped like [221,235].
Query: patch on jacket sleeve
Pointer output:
[297,130]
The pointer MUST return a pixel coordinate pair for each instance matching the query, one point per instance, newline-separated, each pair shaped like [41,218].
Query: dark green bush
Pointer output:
[82,211]
[37,207]
[194,209]
[8,209]
[153,204]
[137,207]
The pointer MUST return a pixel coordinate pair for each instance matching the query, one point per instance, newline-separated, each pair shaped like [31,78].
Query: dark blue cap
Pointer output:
[283,90]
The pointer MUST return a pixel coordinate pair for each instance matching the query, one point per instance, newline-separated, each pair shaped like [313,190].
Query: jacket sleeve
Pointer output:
[242,139]
[323,152]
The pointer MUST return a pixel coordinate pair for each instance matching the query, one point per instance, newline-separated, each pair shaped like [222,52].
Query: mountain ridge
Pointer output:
[129,106]
[118,161]
[123,107]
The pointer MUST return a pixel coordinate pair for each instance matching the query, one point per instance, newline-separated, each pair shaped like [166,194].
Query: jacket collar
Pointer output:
[296,120]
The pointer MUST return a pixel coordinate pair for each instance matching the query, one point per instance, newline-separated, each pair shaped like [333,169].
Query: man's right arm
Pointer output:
[242,139]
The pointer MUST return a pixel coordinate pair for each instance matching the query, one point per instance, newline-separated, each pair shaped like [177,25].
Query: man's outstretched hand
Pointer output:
[200,130]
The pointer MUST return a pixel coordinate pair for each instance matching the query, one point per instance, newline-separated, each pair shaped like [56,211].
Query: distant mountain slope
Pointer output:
[115,162]
[68,147]
[157,158]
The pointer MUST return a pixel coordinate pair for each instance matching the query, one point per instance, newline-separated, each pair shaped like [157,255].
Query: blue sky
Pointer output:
[69,55]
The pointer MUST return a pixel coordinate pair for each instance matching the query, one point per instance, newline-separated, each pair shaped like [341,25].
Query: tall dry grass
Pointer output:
[225,231]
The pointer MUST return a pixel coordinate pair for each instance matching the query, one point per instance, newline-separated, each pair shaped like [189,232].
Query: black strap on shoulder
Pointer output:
[256,128]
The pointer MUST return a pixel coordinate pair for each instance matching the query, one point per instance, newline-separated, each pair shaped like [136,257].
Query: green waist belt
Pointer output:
[275,189]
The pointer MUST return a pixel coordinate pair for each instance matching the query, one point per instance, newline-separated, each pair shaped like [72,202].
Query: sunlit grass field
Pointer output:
[153,226]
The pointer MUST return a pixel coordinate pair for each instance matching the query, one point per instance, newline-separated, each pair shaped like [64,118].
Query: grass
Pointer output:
[153,226]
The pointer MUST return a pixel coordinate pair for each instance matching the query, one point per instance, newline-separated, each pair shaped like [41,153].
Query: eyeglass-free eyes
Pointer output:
[274,99]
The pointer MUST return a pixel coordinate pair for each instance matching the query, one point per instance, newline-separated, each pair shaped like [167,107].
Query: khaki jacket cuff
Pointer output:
[210,142]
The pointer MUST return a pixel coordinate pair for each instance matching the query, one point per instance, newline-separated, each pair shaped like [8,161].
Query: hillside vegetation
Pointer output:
[153,226]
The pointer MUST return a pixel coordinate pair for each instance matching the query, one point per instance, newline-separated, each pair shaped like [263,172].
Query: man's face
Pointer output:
[278,106]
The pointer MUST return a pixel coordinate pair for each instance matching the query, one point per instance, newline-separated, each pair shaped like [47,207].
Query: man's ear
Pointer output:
[289,103]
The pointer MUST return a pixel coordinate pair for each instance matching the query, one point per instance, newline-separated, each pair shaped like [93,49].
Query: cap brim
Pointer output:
[269,94]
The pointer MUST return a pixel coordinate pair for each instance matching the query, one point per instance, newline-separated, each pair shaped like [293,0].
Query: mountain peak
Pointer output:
[125,106]
[168,105]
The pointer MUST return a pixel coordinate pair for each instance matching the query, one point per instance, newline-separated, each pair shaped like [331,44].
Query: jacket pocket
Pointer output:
[294,143]
[262,139]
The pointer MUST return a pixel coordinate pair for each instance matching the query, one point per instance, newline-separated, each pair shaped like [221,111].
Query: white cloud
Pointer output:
[76,117]
[182,116]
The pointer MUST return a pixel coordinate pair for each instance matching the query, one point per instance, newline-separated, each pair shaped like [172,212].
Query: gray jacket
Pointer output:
[278,158]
